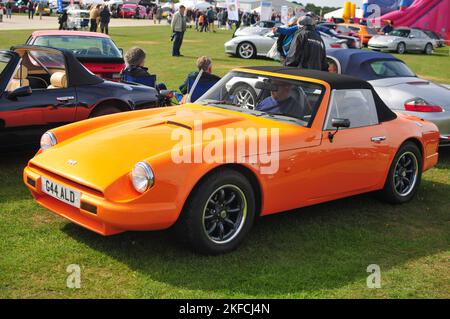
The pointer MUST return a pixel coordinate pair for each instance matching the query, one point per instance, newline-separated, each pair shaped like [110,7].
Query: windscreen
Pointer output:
[82,46]
[267,96]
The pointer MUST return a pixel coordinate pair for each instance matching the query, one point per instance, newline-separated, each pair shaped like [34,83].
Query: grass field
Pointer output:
[316,252]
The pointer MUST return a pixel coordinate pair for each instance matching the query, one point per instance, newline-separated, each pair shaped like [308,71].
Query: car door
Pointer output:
[415,40]
[42,106]
[351,160]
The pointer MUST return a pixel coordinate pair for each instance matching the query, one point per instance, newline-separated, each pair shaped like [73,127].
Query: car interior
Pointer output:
[39,74]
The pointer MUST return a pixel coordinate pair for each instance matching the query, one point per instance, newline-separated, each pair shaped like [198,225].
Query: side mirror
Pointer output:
[337,123]
[19,92]
[121,51]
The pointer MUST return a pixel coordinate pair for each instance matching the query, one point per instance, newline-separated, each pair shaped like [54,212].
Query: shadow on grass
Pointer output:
[326,246]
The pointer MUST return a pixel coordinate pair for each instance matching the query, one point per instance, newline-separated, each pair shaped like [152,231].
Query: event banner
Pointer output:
[284,15]
[266,10]
[233,7]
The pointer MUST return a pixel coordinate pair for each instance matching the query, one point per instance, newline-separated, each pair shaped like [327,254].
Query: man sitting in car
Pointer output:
[283,100]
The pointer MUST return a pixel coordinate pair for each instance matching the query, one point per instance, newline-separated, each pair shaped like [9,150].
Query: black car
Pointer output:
[42,87]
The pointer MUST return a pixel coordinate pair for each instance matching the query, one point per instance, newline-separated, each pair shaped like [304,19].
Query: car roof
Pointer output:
[41,33]
[353,61]
[336,81]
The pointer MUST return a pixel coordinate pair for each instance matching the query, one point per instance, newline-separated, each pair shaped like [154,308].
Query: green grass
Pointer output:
[317,252]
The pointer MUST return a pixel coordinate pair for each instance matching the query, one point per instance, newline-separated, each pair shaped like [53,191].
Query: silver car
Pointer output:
[398,86]
[262,27]
[251,46]
[403,40]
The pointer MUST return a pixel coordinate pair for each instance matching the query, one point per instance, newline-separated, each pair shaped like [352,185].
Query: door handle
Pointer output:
[376,139]
[65,98]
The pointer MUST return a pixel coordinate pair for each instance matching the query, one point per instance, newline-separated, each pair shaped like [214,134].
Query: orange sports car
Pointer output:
[261,141]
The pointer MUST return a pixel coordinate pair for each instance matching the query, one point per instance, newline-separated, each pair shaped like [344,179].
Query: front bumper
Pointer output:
[392,46]
[97,213]
[230,47]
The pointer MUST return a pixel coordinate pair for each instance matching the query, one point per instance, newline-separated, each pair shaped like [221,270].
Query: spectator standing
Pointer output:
[93,16]
[31,9]
[160,13]
[105,17]
[2,12]
[210,17]
[63,20]
[387,28]
[154,13]
[307,50]
[8,7]
[40,9]
[178,28]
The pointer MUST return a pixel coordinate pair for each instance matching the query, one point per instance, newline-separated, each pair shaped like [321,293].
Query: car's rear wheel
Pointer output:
[428,49]
[104,110]
[246,50]
[401,48]
[218,214]
[244,96]
[404,175]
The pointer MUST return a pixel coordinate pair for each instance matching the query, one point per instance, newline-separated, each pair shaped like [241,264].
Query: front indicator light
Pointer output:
[142,177]
[48,140]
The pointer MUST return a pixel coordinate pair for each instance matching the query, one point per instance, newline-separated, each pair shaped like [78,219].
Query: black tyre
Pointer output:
[401,48]
[218,214]
[246,50]
[104,110]
[404,175]
[244,95]
[428,49]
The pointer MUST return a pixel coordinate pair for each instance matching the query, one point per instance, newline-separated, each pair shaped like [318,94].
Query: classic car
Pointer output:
[95,50]
[403,40]
[251,46]
[128,10]
[399,87]
[211,168]
[43,87]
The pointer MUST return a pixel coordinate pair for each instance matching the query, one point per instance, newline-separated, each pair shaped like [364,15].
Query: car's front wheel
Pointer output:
[219,213]
[404,175]
[401,48]
[428,49]
[246,50]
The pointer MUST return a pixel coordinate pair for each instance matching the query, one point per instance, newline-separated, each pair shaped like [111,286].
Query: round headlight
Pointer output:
[48,140]
[142,177]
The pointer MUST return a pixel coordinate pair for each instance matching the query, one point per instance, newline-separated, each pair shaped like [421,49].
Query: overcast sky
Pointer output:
[329,3]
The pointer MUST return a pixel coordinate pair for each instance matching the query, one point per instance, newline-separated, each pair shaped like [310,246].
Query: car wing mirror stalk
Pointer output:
[337,123]
[19,92]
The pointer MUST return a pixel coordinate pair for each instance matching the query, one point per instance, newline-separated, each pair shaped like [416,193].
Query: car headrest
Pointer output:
[58,79]
[22,73]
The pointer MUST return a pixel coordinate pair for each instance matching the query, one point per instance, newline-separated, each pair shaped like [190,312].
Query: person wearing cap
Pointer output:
[307,50]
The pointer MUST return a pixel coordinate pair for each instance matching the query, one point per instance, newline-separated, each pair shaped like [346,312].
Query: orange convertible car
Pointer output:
[261,141]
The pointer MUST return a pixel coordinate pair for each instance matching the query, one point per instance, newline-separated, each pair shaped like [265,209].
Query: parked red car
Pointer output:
[129,11]
[96,51]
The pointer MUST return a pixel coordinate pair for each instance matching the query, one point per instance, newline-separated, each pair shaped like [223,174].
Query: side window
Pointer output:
[356,105]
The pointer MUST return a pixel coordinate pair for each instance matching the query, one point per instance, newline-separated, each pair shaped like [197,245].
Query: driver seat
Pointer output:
[19,79]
